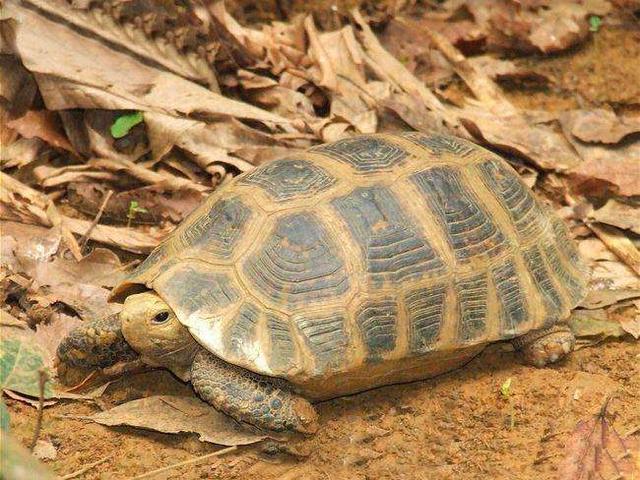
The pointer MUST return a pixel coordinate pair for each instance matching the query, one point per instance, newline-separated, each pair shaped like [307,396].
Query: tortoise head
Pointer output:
[146,328]
[152,329]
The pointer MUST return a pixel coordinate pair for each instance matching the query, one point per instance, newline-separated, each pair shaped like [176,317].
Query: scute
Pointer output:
[394,250]
[365,154]
[217,231]
[441,144]
[289,178]
[470,229]
[299,263]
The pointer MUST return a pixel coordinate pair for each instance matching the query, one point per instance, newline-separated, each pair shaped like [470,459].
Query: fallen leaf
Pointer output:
[619,214]
[628,315]
[603,298]
[619,244]
[42,124]
[605,170]
[596,450]
[174,414]
[159,202]
[599,125]
[17,88]
[594,326]
[20,152]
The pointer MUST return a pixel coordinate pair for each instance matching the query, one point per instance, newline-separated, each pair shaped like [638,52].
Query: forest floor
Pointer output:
[458,425]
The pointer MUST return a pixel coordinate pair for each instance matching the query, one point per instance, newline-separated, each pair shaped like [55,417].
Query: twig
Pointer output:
[84,469]
[188,462]
[85,237]
[42,380]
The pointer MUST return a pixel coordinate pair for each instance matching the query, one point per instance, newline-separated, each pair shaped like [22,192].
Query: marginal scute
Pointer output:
[298,264]
[472,295]
[365,154]
[511,297]
[242,332]
[572,285]
[469,226]
[425,311]
[289,178]
[528,218]
[218,231]
[377,321]
[282,355]
[393,249]
[542,278]
[325,336]
[440,144]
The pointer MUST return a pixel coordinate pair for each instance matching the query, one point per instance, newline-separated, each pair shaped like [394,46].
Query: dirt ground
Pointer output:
[454,426]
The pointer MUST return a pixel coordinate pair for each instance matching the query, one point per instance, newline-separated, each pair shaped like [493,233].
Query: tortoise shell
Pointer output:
[372,260]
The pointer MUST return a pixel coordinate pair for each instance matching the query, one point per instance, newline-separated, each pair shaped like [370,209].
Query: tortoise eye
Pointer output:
[161,317]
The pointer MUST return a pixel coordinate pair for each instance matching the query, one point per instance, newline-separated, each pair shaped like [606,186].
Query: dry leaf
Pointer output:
[89,75]
[174,414]
[607,170]
[619,244]
[596,450]
[599,125]
[594,326]
[159,203]
[628,315]
[619,214]
[41,124]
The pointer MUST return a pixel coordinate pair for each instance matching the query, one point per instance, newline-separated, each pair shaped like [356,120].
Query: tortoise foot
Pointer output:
[545,346]
[264,402]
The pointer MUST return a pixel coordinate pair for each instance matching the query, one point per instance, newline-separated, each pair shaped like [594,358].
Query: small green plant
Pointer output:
[594,23]
[505,391]
[134,209]
[125,123]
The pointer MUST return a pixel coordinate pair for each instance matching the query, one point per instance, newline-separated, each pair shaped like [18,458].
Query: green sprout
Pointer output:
[125,123]
[594,23]
[505,391]
[134,209]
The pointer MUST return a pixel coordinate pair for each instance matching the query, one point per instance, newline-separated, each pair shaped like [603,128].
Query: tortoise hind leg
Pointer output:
[546,345]
[248,397]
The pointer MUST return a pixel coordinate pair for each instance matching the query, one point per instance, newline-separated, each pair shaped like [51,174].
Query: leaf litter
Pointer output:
[219,97]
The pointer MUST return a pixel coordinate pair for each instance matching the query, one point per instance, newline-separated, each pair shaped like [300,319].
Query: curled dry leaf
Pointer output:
[175,414]
[596,450]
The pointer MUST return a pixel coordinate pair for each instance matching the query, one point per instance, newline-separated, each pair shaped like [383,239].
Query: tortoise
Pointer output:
[373,260]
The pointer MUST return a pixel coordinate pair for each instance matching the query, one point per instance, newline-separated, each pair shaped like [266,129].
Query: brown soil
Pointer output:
[455,426]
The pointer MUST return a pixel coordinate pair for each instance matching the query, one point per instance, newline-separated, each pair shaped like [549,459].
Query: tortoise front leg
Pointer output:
[262,401]
[546,345]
